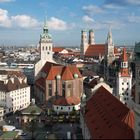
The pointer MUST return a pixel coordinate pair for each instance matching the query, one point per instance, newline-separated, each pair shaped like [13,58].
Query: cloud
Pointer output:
[123,3]
[133,18]
[25,21]
[112,6]
[57,24]
[22,21]
[92,9]
[4,19]
[87,19]
[2,1]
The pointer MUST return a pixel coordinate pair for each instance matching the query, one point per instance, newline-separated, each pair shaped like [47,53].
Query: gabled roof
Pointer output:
[107,118]
[51,71]
[95,50]
[67,75]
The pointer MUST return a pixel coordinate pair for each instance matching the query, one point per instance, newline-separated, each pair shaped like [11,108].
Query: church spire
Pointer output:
[45,27]
[109,37]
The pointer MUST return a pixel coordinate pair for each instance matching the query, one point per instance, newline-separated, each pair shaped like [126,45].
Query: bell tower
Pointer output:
[91,37]
[45,44]
[84,42]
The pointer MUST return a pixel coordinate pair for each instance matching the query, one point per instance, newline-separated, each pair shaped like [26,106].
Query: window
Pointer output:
[63,90]
[127,83]
[122,88]
[43,48]
[122,83]
[50,89]
[48,53]
[61,108]
[49,47]
[69,85]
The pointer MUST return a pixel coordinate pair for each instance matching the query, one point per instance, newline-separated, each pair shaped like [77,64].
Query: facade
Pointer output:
[14,91]
[137,91]
[58,81]
[45,49]
[103,116]
[124,81]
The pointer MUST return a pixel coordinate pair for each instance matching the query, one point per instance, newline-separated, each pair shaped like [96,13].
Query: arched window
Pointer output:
[49,47]
[46,48]
[43,48]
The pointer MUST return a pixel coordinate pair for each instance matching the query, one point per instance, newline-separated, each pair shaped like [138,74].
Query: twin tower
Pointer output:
[86,41]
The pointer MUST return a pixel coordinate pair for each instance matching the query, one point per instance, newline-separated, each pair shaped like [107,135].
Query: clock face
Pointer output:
[124,79]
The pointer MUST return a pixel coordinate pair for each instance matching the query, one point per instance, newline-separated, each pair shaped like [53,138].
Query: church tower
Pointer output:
[137,91]
[124,81]
[109,48]
[84,42]
[45,45]
[45,49]
[91,37]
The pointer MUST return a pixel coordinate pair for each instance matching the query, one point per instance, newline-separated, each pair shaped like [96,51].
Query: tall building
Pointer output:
[45,48]
[84,42]
[124,81]
[137,91]
[109,48]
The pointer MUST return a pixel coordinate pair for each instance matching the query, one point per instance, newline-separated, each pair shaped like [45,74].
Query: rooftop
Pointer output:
[107,118]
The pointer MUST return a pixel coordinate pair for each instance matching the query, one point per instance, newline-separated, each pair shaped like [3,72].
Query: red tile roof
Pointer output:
[53,72]
[66,72]
[58,49]
[124,71]
[71,100]
[124,55]
[107,118]
[95,50]
[67,75]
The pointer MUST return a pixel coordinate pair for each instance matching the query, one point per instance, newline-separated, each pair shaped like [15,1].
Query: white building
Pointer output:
[45,48]
[14,91]
[66,105]
[124,81]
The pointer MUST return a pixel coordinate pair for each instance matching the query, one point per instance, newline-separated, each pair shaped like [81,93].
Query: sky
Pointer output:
[21,21]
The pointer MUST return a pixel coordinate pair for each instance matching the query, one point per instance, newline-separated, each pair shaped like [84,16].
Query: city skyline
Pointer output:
[21,21]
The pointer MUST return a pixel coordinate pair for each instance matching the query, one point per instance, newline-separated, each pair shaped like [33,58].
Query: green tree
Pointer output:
[31,127]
